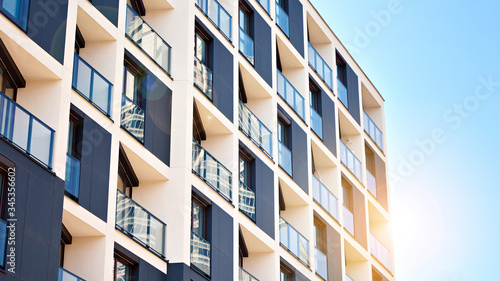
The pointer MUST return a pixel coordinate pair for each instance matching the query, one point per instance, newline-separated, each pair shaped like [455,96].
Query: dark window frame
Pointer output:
[138,73]
[341,69]
[200,32]
[204,206]
[124,260]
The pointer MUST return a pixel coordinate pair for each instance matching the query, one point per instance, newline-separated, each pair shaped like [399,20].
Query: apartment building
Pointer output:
[187,140]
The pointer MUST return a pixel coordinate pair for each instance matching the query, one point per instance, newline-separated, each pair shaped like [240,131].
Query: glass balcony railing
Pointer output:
[91,85]
[321,264]
[373,131]
[380,252]
[371,183]
[282,20]
[3,242]
[251,126]
[290,95]
[348,220]
[247,201]
[203,77]
[294,242]
[245,276]
[350,160]
[72,182]
[65,275]
[148,40]
[132,118]
[348,278]
[342,93]
[325,198]
[266,4]
[246,46]
[285,158]
[140,224]
[207,168]
[217,14]
[320,66]
[26,131]
[317,123]
[200,253]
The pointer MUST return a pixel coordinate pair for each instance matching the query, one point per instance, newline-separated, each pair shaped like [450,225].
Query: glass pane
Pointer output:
[82,83]
[122,272]
[289,92]
[72,182]
[41,138]
[148,40]
[20,125]
[304,249]
[198,215]
[225,23]
[13,7]
[283,232]
[100,94]
[293,246]
[157,234]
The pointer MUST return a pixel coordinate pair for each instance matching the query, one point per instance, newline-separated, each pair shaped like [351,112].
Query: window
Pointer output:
[283,128]
[75,135]
[16,10]
[314,96]
[201,43]
[319,235]
[66,239]
[347,195]
[370,160]
[341,70]
[132,75]
[285,273]
[123,268]
[282,4]
[245,168]
[127,178]
[198,218]
[244,18]
[79,41]
[6,84]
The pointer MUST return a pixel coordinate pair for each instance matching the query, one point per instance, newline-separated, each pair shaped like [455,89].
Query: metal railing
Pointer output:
[26,131]
[247,201]
[321,264]
[285,158]
[203,77]
[325,198]
[294,242]
[65,275]
[140,224]
[380,252]
[319,65]
[371,183]
[245,276]
[292,97]
[91,85]
[217,14]
[348,220]
[266,4]
[251,126]
[132,118]
[317,123]
[246,46]
[148,40]
[72,178]
[200,253]
[207,168]
[373,131]
[282,20]
[351,161]
[342,93]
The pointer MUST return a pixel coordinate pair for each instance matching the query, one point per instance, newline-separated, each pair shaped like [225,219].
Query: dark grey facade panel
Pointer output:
[222,78]
[299,156]
[149,272]
[182,272]
[263,48]
[264,194]
[295,17]
[109,8]
[329,123]
[353,94]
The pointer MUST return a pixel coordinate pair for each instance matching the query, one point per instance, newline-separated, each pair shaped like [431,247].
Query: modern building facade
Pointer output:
[187,140]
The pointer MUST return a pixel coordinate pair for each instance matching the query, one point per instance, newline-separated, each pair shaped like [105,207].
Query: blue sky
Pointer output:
[430,61]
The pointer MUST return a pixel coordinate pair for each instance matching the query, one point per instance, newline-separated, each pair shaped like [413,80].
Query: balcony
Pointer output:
[211,171]
[72,182]
[200,253]
[251,126]
[373,131]
[245,276]
[325,198]
[285,158]
[247,201]
[317,123]
[266,5]
[246,46]
[294,242]
[65,275]
[380,252]
[25,131]
[342,93]
[371,183]
[217,14]
[282,20]
[139,224]
[132,118]
[139,32]
[320,67]
[92,86]
[291,96]
[348,158]
[203,78]
[321,264]
[348,220]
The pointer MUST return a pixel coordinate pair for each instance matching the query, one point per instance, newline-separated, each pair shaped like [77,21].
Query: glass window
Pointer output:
[198,218]
[285,274]
[282,132]
[341,69]
[244,170]
[346,196]
[201,49]
[131,83]
[314,100]
[16,10]
[6,85]
[122,270]
[75,135]
[245,20]
[281,3]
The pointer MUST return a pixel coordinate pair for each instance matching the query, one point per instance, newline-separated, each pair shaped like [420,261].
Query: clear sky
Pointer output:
[431,61]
